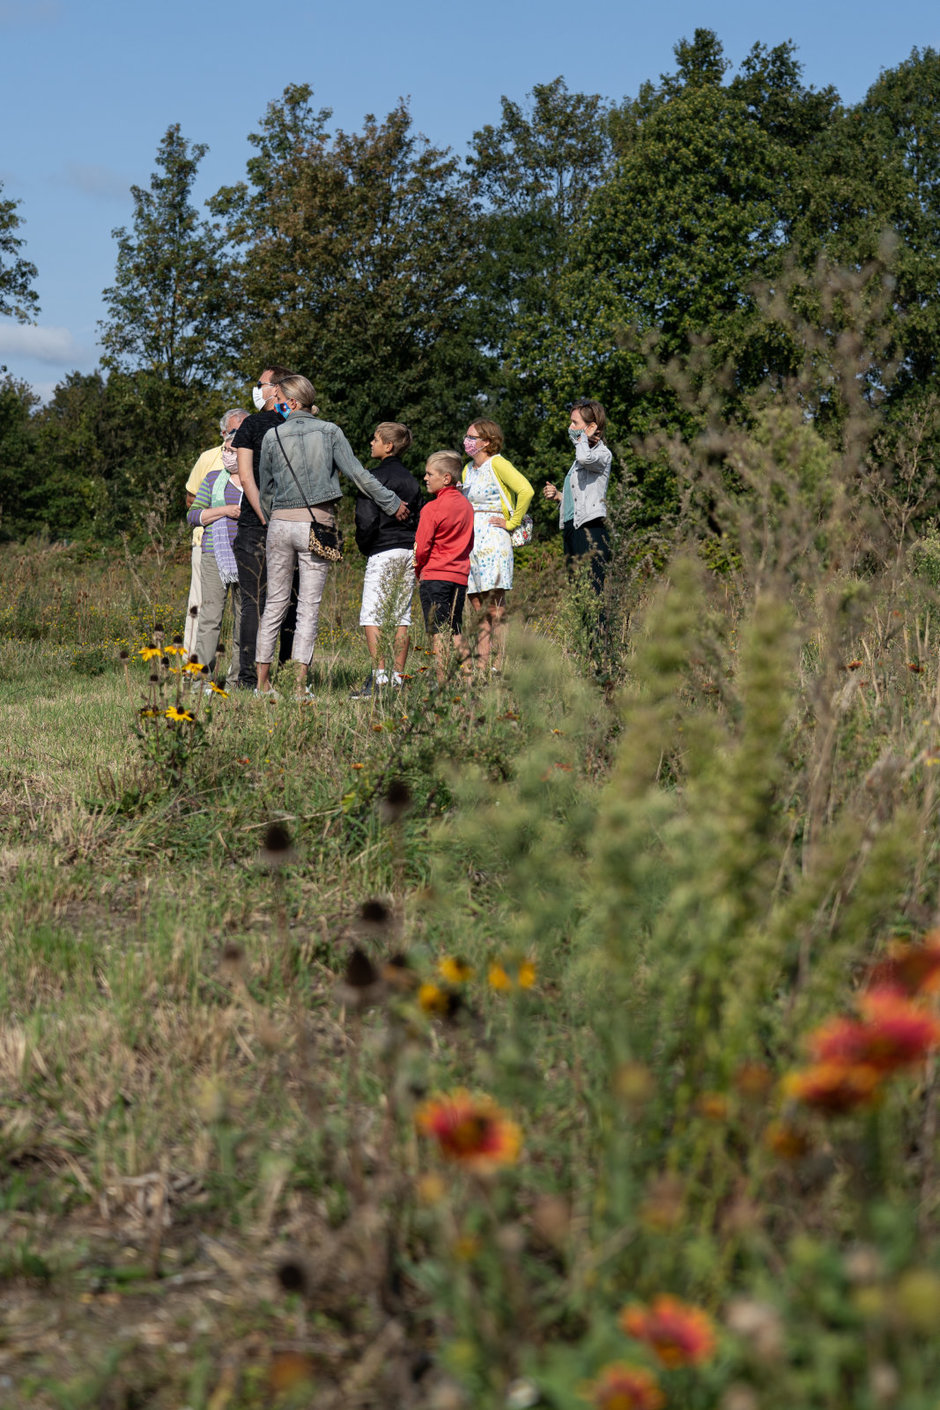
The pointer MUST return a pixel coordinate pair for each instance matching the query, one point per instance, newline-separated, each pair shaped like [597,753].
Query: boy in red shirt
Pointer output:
[442,552]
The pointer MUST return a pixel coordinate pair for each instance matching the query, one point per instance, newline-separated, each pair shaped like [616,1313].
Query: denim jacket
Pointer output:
[588,476]
[318,452]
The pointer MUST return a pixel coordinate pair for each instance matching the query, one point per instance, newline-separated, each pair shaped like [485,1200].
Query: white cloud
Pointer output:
[97,181]
[55,345]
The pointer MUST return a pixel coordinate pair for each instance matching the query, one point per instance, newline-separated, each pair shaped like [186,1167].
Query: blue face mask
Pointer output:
[575,433]
[282,407]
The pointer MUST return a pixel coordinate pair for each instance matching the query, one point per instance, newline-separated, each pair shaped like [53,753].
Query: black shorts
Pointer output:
[442,605]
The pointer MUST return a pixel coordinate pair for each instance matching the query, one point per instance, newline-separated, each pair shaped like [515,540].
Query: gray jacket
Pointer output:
[317,450]
[589,475]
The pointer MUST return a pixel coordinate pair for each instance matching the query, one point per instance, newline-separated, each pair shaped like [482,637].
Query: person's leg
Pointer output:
[478,601]
[402,647]
[313,575]
[249,549]
[285,648]
[280,571]
[231,679]
[597,546]
[194,604]
[372,642]
[212,598]
[497,615]
[370,611]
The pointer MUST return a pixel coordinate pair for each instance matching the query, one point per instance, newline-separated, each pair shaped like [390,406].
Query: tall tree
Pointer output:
[18,298]
[170,306]
[355,250]
[531,176]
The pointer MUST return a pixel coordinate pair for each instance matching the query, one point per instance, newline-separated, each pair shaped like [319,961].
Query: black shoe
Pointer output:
[365,693]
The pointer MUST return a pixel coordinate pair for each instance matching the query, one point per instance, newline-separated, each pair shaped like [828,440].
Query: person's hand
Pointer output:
[550,492]
[498,521]
[233,511]
[402,512]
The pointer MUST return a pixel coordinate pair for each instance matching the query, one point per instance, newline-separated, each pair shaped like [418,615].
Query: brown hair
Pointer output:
[491,434]
[592,411]
[277,373]
[448,462]
[394,434]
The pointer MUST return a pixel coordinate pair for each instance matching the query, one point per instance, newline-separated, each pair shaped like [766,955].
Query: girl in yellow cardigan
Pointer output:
[500,497]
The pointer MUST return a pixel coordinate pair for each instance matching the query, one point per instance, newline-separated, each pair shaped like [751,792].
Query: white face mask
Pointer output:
[229,458]
[258,397]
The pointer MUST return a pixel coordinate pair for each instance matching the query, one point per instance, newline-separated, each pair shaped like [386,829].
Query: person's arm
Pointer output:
[348,465]
[198,503]
[246,473]
[201,512]
[595,459]
[519,486]
[424,537]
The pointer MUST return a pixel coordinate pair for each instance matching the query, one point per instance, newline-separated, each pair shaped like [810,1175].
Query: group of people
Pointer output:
[263,509]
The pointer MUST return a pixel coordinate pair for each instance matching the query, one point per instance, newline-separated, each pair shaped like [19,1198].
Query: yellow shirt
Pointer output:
[209,460]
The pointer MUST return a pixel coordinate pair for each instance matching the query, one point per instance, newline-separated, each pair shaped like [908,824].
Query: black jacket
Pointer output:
[375,530]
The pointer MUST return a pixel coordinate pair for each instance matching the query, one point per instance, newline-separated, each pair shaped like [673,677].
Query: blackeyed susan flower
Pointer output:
[217,690]
[147,653]
[505,977]
[179,716]
[147,712]
[194,668]
[454,970]
[470,1131]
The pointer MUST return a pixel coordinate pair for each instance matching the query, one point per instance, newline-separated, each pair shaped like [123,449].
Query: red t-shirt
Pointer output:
[445,538]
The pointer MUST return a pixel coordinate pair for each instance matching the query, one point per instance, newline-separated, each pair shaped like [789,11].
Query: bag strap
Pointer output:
[313,517]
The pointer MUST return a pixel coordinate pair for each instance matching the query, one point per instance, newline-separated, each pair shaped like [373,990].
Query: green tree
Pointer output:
[170,307]
[17,400]
[355,251]
[531,176]
[18,298]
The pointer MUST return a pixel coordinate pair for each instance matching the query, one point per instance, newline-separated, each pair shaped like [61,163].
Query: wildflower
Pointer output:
[622,1386]
[678,1334]
[753,1079]
[149,713]
[173,650]
[277,849]
[217,690]
[147,653]
[454,970]
[178,716]
[895,1033]
[786,1141]
[910,969]
[526,975]
[855,665]
[432,999]
[498,978]
[194,667]
[471,1131]
[834,1087]
[358,766]
[713,1106]
[916,667]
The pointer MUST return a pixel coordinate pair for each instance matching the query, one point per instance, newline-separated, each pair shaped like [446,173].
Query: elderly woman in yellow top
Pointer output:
[500,497]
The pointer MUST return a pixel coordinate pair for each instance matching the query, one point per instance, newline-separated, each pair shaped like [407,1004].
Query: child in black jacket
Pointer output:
[389,547]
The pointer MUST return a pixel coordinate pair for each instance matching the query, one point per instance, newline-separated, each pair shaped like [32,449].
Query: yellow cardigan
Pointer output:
[515,490]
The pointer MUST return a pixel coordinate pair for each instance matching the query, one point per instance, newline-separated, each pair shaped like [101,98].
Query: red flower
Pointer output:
[472,1131]
[910,969]
[678,1334]
[621,1386]
[834,1087]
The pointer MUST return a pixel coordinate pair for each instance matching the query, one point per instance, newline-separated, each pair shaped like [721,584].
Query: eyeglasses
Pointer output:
[259,385]
[580,405]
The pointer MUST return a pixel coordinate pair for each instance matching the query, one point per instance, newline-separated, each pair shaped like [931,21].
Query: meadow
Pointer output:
[561,1040]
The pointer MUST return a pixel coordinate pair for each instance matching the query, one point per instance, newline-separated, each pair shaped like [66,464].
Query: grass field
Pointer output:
[235,1168]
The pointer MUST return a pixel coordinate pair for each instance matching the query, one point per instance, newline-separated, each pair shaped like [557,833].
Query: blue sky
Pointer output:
[90,88]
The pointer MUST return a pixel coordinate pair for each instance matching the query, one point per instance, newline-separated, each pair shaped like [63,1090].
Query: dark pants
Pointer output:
[442,604]
[590,541]
[249,550]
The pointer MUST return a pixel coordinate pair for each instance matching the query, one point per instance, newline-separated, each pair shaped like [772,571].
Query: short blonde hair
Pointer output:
[394,434]
[448,462]
[491,434]
[300,389]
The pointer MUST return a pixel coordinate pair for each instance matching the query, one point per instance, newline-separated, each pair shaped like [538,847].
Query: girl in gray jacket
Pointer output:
[582,499]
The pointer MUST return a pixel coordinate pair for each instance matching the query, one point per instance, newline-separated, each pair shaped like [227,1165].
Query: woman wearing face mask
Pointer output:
[500,497]
[217,507]
[582,500]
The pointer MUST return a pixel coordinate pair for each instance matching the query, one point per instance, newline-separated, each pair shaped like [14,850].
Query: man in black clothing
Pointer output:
[249,546]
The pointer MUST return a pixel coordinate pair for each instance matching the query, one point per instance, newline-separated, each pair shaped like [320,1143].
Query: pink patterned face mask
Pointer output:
[471,444]
[229,459]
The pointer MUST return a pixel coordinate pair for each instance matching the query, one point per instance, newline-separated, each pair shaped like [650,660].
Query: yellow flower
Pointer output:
[470,1131]
[526,975]
[454,970]
[217,689]
[177,716]
[432,998]
[149,652]
[498,978]
[194,668]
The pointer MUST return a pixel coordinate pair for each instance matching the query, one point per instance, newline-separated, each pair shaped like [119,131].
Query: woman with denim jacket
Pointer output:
[298,480]
[582,499]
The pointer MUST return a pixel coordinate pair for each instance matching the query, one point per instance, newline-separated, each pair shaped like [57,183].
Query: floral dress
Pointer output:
[491,560]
